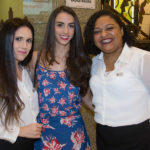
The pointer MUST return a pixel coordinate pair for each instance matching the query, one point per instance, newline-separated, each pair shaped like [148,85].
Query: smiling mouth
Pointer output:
[22,52]
[106,41]
[64,38]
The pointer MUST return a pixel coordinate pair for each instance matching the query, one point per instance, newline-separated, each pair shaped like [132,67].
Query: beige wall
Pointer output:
[146,18]
[16,6]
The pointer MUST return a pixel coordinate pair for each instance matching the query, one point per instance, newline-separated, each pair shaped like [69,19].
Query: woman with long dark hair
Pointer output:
[120,84]
[62,73]
[18,99]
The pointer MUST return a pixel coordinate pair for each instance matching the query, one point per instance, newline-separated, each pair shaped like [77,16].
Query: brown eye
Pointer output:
[59,24]
[97,32]
[109,28]
[71,25]
[29,40]
[18,38]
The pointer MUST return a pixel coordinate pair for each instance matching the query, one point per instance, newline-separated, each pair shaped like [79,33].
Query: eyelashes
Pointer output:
[97,31]
[19,39]
[61,24]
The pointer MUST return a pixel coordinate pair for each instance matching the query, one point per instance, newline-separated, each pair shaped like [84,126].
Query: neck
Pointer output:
[61,52]
[110,60]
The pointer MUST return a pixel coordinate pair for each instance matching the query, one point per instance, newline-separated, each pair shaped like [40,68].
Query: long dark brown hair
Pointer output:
[10,102]
[78,62]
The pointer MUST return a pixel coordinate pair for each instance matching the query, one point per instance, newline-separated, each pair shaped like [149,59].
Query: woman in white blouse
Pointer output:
[120,83]
[18,99]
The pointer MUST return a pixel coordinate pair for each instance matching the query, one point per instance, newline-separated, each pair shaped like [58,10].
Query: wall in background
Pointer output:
[16,5]
[146,17]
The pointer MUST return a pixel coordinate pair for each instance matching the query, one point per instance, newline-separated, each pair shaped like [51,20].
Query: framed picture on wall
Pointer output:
[36,0]
[81,3]
[35,7]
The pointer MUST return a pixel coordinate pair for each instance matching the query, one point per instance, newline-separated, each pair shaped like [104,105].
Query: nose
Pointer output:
[66,29]
[103,33]
[24,44]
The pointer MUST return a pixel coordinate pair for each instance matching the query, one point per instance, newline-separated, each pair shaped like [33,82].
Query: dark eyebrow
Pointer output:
[110,24]
[72,23]
[15,37]
[106,26]
[23,37]
[60,22]
[63,22]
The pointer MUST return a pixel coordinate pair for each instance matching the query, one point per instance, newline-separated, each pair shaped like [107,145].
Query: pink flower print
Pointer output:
[54,110]
[42,70]
[52,76]
[47,126]
[71,96]
[41,100]
[62,85]
[42,115]
[62,113]
[47,74]
[71,87]
[38,77]
[45,107]
[88,147]
[52,144]
[45,82]
[45,121]
[56,91]
[68,108]
[68,121]
[46,91]
[77,106]
[40,94]
[72,112]
[62,101]
[52,100]
[62,74]
[77,138]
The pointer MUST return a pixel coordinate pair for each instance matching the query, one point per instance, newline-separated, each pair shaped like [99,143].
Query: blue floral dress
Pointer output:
[60,103]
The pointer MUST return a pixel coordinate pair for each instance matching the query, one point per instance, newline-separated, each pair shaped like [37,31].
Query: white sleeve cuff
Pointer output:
[9,135]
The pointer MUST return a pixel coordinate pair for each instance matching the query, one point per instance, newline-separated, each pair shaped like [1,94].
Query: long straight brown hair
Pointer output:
[78,62]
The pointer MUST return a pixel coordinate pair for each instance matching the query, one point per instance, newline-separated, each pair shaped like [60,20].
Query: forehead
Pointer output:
[104,20]
[23,31]
[64,17]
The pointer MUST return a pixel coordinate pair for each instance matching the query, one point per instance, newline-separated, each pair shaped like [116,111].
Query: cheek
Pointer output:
[29,47]
[72,32]
[14,45]
[96,39]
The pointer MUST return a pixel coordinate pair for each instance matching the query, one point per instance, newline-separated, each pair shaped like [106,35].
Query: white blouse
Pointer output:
[28,115]
[122,96]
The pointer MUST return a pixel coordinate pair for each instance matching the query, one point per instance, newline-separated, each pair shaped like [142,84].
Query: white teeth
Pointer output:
[106,41]
[64,37]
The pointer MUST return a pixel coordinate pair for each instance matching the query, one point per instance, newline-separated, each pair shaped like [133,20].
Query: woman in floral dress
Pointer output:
[62,73]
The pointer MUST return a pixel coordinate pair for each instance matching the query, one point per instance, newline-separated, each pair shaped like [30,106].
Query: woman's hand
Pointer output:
[31,131]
